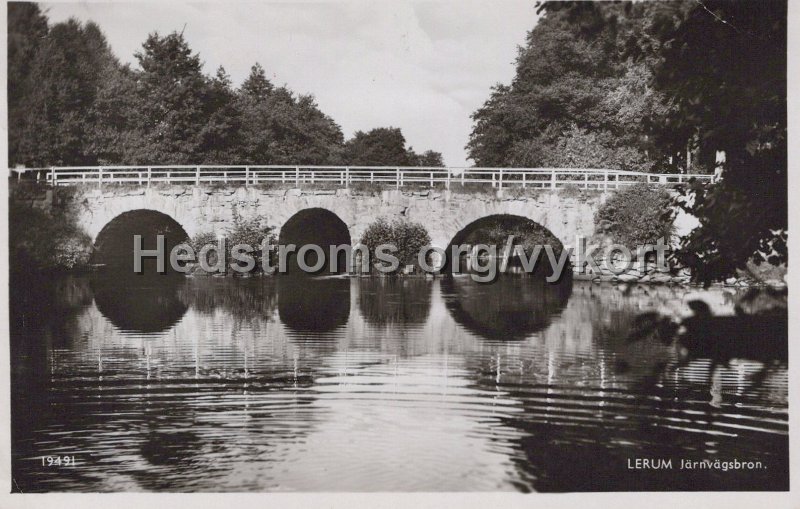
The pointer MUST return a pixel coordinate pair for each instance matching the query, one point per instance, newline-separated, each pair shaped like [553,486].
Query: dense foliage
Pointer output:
[408,237]
[659,86]
[71,102]
[724,66]
[576,100]
[42,240]
[386,146]
[634,216]
[250,231]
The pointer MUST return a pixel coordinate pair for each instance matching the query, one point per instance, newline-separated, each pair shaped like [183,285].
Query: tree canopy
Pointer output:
[659,86]
[386,146]
[71,102]
[576,100]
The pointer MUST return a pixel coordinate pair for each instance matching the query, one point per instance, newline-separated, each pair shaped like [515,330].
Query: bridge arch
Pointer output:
[494,229]
[114,244]
[318,226]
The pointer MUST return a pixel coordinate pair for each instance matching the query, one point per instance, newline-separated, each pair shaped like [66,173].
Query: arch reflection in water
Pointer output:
[143,303]
[387,301]
[511,308]
[309,304]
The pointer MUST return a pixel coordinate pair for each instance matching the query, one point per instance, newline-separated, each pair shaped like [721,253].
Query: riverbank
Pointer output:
[650,278]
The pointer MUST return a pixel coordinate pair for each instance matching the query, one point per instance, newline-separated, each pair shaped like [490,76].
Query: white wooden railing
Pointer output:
[543,178]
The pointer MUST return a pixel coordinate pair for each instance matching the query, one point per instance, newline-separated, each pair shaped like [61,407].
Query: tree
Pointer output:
[170,97]
[72,103]
[27,27]
[386,146]
[257,86]
[572,88]
[427,158]
[723,64]
[278,128]
[53,113]
[220,136]
[655,85]
[382,146]
[117,117]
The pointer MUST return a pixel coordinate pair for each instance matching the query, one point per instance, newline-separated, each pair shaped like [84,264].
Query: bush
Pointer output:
[49,240]
[244,231]
[250,231]
[199,240]
[636,215]
[408,237]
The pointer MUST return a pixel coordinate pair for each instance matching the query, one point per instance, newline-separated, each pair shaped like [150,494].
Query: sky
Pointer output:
[422,66]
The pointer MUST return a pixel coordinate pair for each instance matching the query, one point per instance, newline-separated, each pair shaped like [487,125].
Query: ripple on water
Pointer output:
[367,385]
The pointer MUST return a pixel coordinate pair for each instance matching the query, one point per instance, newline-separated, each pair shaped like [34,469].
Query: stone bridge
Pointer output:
[444,213]
[329,216]
[334,205]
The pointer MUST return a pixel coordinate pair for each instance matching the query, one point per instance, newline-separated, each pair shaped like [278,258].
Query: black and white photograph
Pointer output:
[409,247]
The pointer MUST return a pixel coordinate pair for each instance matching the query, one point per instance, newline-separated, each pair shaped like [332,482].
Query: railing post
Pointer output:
[312,176]
[586,180]
[149,175]
[605,180]
[397,177]
[552,179]
[523,180]
[53,176]
[500,179]
[297,176]
[197,176]
[346,176]
[246,176]
[100,177]
[447,182]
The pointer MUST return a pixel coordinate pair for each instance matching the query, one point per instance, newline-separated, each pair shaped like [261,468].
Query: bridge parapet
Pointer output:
[345,176]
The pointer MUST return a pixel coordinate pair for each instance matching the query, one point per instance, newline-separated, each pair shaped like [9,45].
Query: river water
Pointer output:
[302,384]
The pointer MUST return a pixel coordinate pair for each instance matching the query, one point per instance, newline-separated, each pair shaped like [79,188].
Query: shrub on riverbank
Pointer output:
[46,239]
[408,237]
[251,232]
[635,216]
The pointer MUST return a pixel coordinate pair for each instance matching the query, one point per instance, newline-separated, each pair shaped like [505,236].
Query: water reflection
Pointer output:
[143,303]
[241,298]
[282,384]
[390,301]
[512,308]
[313,304]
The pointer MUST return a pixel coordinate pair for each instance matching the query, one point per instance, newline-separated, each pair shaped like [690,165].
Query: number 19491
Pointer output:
[58,461]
